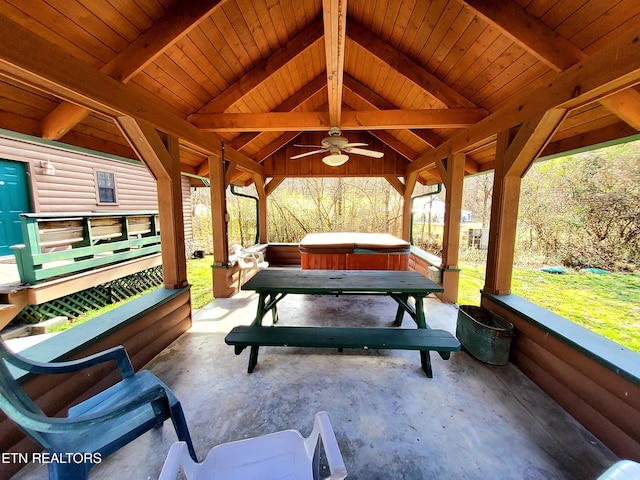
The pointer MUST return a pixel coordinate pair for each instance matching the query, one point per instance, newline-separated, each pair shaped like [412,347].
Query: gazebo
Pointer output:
[223,91]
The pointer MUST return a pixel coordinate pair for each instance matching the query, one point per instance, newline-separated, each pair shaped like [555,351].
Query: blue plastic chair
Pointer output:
[98,426]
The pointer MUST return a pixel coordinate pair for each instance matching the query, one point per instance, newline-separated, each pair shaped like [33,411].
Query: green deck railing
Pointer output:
[58,244]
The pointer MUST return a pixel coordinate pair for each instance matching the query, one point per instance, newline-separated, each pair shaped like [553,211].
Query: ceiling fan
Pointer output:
[335,145]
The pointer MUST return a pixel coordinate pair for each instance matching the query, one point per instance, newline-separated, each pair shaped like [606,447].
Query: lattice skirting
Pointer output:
[76,304]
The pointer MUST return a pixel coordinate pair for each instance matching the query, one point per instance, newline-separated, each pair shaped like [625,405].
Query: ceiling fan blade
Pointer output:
[366,153]
[308,146]
[349,145]
[308,153]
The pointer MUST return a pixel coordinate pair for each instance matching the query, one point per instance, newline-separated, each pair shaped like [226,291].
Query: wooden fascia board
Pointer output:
[265,69]
[351,120]
[600,136]
[134,58]
[30,59]
[334,18]
[607,71]
[406,67]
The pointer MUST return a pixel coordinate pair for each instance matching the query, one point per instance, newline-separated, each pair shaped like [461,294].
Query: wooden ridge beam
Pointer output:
[335,18]
[134,58]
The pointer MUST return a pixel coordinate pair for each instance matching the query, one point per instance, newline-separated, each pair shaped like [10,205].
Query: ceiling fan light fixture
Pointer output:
[335,159]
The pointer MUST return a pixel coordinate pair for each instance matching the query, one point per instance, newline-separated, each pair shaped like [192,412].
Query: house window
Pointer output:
[106,182]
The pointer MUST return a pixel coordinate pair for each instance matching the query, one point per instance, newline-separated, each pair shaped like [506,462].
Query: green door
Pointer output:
[14,200]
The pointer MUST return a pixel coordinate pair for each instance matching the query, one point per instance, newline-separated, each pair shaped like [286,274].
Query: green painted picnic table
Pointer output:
[272,285]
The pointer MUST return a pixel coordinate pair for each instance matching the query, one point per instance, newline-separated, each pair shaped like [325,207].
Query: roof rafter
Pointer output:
[265,69]
[28,58]
[550,48]
[293,102]
[407,67]
[375,101]
[606,72]
[134,58]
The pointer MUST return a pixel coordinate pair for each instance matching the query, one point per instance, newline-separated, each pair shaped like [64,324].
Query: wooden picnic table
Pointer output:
[272,285]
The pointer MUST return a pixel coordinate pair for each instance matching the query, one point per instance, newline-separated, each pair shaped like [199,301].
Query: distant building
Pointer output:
[431,210]
[45,177]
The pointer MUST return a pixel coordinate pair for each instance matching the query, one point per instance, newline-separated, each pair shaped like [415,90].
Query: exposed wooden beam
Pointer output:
[273,184]
[335,19]
[608,71]
[315,121]
[395,183]
[625,105]
[527,31]
[529,141]
[407,67]
[265,69]
[134,58]
[295,101]
[394,119]
[274,146]
[395,144]
[376,101]
[550,48]
[30,59]
[162,160]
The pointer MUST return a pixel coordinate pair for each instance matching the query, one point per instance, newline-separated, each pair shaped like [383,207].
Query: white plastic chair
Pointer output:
[622,470]
[247,261]
[282,455]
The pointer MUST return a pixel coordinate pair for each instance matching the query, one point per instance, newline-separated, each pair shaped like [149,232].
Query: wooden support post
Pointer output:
[222,278]
[516,150]
[161,156]
[262,208]
[503,224]
[452,173]
[409,186]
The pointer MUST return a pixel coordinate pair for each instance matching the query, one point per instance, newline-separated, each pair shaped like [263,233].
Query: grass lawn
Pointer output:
[607,304]
[200,277]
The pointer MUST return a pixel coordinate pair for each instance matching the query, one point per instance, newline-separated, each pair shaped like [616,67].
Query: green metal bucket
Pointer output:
[484,334]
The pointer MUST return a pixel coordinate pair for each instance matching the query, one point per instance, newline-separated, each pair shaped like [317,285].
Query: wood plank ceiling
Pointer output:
[414,79]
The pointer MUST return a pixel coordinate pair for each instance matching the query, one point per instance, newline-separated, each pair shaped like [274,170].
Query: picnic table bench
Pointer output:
[273,285]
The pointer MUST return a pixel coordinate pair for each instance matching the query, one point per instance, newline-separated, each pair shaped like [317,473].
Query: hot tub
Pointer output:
[354,251]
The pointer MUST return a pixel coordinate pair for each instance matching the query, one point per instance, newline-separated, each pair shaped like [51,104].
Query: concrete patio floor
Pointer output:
[470,421]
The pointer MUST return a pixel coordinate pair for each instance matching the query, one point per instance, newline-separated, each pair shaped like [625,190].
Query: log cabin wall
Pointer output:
[593,379]
[73,186]
[144,326]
